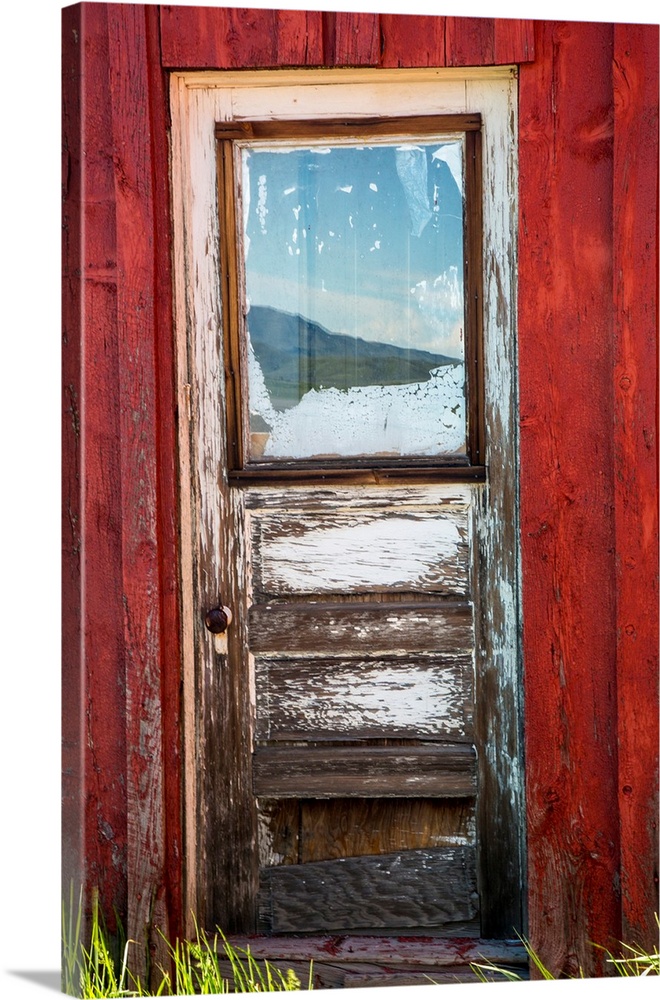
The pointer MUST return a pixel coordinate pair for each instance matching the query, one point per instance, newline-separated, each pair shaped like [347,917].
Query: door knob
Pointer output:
[217,620]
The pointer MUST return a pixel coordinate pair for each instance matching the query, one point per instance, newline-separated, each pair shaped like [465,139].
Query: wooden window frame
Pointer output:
[468,467]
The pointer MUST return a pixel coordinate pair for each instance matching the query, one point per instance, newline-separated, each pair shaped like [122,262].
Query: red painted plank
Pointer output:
[636,470]
[514,41]
[412,40]
[567,493]
[167,476]
[356,40]
[239,38]
[137,386]
[120,605]
[93,699]
[469,41]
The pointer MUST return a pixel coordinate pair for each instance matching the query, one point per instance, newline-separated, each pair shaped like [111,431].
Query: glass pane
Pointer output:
[354,288]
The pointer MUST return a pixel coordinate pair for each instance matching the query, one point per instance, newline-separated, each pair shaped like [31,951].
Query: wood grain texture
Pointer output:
[292,832]
[94,834]
[363,771]
[444,497]
[408,889]
[346,828]
[410,950]
[635,77]
[237,38]
[344,698]
[120,403]
[133,86]
[354,40]
[469,41]
[412,40]
[514,41]
[498,702]
[379,551]
[567,494]
[373,628]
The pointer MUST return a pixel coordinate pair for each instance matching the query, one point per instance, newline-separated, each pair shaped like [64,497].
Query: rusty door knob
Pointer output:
[217,620]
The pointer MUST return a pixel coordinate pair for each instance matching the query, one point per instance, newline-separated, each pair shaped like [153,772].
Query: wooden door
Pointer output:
[355,763]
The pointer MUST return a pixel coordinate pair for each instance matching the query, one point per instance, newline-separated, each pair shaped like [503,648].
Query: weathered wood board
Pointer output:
[408,889]
[317,771]
[374,628]
[342,552]
[421,698]
[293,832]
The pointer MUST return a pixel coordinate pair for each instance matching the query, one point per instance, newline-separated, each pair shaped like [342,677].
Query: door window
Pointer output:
[351,324]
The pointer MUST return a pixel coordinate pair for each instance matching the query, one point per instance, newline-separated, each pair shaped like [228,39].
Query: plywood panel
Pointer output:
[336,772]
[378,551]
[345,828]
[409,889]
[373,628]
[355,699]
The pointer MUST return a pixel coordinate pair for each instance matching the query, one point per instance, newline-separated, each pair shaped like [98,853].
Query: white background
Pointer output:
[30,496]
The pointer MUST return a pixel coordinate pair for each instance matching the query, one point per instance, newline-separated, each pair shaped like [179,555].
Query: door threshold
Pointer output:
[356,960]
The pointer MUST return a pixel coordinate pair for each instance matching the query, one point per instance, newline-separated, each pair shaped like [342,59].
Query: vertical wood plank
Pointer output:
[167,483]
[514,41]
[355,40]
[141,393]
[567,495]
[93,701]
[635,469]
[239,38]
[498,703]
[413,40]
[299,38]
[469,41]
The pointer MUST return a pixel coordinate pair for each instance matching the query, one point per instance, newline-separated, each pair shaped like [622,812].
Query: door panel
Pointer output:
[361,650]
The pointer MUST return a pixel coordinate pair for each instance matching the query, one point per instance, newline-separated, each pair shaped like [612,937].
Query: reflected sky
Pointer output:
[365,240]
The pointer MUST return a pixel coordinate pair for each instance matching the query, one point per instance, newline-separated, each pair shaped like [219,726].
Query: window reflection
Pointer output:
[354,287]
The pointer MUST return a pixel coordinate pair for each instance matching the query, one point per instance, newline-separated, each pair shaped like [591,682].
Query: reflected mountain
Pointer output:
[297,355]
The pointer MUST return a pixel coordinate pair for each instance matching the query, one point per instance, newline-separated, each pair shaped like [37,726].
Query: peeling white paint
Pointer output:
[414,699]
[420,418]
[424,550]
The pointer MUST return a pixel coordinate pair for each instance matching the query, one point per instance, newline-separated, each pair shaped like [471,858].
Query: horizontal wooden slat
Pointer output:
[347,127]
[357,473]
[317,628]
[361,771]
[426,888]
[292,832]
[438,496]
[424,697]
[392,951]
[377,551]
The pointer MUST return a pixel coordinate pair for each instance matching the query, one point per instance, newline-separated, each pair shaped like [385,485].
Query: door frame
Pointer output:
[198,100]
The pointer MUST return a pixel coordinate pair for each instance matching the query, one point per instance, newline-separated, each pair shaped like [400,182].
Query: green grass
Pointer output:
[99,970]
[632,961]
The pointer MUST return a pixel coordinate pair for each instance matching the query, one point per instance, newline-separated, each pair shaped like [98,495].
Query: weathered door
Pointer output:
[348,302]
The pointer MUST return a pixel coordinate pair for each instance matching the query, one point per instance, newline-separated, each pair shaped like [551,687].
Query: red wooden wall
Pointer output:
[588,479]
